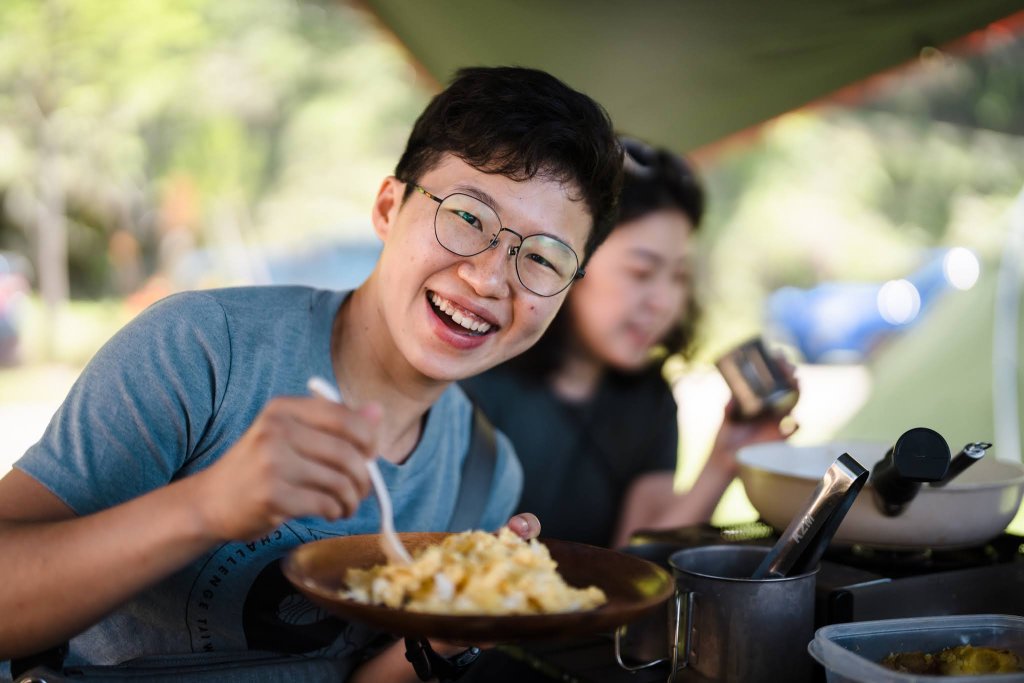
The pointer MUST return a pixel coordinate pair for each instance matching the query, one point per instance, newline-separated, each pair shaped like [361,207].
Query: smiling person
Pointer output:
[189,458]
[587,408]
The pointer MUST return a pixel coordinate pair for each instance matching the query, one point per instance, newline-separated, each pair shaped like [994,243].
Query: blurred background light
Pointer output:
[961,268]
[899,302]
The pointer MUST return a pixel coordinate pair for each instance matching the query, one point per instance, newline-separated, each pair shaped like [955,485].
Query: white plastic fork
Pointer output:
[389,541]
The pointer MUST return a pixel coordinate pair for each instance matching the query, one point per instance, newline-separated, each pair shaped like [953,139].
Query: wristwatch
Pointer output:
[429,665]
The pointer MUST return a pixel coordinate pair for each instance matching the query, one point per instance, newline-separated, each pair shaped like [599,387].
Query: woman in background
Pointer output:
[590,414]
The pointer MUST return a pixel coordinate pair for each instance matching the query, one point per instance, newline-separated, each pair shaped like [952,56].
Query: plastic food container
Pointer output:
[851,653]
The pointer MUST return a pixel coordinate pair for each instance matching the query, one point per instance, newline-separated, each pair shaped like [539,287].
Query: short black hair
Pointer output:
[522,123]
[654,179]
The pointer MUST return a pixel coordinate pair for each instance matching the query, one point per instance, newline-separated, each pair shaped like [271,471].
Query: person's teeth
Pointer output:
[461,318]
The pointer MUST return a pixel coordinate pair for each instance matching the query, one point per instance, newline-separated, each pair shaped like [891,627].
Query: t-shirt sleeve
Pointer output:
[139,409]
[506,486]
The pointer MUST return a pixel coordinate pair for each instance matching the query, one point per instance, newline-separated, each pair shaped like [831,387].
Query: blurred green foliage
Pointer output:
[856,193]
[165,126]
[73,336]
[171,124]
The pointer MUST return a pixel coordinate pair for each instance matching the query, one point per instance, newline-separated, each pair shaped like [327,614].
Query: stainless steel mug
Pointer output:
[757,382]
[733,629]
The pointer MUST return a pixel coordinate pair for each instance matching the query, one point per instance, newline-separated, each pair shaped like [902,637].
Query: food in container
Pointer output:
[955,661]
[854,652]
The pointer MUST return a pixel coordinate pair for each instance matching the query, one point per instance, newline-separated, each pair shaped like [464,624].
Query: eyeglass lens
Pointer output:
[467,226]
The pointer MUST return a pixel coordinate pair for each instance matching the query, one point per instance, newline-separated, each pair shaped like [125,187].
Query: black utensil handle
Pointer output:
[919,455]
[968,455]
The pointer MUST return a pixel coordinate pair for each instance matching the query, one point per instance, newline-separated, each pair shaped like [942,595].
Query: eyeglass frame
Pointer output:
[512,250]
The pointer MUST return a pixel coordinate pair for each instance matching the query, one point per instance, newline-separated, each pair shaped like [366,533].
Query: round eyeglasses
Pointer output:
[467,226]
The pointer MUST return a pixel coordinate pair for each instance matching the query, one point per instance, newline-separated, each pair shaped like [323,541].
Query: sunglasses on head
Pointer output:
[641,160]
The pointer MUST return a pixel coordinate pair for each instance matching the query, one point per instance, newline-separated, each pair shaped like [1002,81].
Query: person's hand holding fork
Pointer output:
[301,457]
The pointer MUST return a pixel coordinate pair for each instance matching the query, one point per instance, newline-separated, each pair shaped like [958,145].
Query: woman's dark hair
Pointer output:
[653,179]
[522,123]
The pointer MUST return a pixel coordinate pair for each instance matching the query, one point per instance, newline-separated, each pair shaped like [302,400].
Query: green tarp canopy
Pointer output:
[688,73]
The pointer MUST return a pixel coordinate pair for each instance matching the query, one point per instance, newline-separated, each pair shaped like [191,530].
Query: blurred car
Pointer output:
[842,322]
[14,288]
[340,264]
[334,265]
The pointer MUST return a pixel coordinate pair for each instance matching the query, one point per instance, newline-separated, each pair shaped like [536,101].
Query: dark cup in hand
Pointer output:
[759,385]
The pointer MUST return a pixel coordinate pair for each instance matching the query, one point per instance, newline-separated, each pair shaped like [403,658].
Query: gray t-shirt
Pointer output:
[164,399]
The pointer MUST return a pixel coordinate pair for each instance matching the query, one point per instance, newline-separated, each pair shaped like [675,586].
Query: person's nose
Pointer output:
[664,297]
[491,273]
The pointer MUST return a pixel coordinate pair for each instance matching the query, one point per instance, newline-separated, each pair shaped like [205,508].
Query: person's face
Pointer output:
[453,316]
[635,289]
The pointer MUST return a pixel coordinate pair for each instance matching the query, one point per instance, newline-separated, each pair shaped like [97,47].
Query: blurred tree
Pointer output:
[72,110]
[173,122]
[982,89]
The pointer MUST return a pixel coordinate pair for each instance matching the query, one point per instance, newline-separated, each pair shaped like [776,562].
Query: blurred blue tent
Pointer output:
[843,322]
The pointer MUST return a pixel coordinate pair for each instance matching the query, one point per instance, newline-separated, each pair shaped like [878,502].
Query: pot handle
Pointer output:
[681,662]
[673,607]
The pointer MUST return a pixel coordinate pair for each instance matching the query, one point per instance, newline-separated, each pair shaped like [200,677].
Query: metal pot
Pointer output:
[724,626]
[973,508]
[732,628]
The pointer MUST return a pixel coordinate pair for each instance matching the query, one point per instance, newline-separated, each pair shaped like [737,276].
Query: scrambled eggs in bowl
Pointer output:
[474,572]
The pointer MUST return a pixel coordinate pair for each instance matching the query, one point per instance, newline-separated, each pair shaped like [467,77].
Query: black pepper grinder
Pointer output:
[919,455]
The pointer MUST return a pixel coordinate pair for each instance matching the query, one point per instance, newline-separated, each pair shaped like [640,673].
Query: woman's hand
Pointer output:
[737,432]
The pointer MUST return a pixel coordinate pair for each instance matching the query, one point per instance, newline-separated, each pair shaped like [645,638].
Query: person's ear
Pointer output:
[386,206]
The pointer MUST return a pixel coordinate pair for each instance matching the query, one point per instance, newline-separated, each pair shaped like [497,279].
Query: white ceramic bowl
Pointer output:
[976,506]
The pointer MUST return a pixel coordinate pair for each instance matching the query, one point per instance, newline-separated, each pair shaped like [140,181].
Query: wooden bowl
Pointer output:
[633,586]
